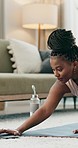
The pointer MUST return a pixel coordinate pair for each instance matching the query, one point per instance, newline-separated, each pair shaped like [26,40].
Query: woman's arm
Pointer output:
[55,94]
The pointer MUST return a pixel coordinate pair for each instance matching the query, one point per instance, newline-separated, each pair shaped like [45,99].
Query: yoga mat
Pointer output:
[59,131]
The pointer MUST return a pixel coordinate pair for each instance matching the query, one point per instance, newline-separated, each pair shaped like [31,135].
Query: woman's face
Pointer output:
[62,69]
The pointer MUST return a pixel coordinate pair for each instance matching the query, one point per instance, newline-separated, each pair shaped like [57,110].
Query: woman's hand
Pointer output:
[13,132]
[2,130]
[9,131]
[75,131]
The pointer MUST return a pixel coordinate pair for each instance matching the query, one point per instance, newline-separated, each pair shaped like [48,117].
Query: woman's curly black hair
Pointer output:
[62,43]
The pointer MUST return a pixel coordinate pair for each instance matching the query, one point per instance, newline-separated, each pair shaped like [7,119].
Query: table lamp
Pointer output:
[40,16]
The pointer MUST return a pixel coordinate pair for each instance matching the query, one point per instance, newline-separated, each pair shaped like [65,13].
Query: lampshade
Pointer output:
[44,14]
[40,16]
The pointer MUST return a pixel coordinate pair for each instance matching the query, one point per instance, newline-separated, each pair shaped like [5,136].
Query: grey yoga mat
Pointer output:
[59,131]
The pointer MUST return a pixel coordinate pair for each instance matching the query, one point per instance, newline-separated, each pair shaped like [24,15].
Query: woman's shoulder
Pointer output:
[58,89]
[60,86]
[70,83]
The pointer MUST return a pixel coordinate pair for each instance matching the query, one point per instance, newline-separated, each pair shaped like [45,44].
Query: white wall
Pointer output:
[1,19]
[13,22]
[66,14]
[75,18]
[69,16]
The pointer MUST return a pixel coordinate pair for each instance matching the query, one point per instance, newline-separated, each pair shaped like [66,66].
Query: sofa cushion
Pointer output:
[26,57]
[12,84]
[5,63]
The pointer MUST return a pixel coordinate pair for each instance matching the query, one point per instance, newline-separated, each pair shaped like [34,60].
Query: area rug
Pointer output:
[59,131]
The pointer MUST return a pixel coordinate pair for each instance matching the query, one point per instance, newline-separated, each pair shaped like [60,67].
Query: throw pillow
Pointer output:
[45,54]
[45,67]
[25,56]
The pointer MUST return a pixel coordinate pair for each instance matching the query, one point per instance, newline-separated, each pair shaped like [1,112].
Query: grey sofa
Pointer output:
[18,86]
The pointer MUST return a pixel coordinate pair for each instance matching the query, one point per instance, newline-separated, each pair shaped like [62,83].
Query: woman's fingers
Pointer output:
[75,131]
[2,130]
[13,132]
[9,131]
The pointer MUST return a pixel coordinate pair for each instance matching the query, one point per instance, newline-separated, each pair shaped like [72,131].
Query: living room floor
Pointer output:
[59,117]
[23,106]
